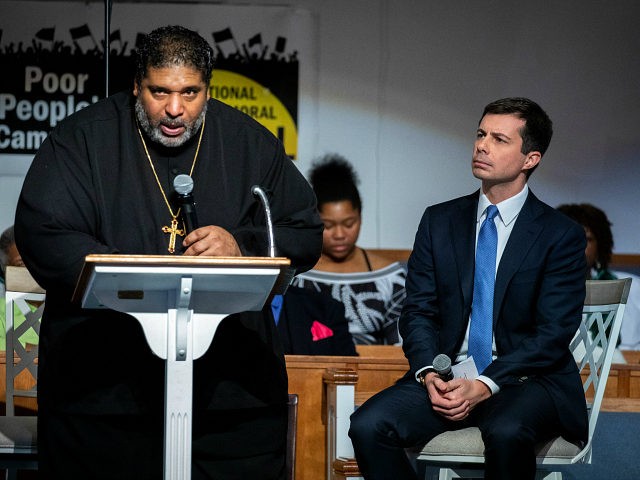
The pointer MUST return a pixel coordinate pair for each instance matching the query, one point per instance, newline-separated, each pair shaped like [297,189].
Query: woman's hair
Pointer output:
[6,240]
[334,180]
[595,220]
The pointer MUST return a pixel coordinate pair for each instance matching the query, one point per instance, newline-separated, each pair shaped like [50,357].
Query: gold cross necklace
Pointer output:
[173,230]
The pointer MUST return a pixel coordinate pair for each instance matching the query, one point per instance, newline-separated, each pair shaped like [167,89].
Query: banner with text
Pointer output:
[52,61]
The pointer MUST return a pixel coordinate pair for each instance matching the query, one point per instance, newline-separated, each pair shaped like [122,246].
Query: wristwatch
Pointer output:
[423,374]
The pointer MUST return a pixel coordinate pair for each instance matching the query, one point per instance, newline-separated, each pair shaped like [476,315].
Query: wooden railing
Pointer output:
[24,381]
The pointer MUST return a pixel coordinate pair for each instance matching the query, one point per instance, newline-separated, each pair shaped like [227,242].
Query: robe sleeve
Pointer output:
[57,213]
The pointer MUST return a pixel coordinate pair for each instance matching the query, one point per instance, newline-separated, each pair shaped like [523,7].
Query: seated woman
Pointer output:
[599,249]
[9,256]
[370,287]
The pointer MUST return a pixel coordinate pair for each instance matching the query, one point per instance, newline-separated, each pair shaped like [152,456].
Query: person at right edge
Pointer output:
[528,389]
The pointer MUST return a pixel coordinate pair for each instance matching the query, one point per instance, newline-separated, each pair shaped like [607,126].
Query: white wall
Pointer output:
[400,85]
[403,83]
[12,172]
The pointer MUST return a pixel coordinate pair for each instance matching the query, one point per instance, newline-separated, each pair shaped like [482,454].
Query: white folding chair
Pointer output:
[460,454]
[18,434]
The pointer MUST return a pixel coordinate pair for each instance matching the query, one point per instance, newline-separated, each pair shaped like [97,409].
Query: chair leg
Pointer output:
[445,474]
[546,475]
[453,473]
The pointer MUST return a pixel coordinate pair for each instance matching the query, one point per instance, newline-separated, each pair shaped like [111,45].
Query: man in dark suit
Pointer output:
[312,323]
[531,389]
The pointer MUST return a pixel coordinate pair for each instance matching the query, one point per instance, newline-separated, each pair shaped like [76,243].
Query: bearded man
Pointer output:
[101,184]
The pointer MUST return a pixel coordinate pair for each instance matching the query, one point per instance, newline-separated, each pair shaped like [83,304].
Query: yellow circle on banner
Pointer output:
[257,101]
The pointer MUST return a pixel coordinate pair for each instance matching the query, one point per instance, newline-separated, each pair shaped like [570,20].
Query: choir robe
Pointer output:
[91,190]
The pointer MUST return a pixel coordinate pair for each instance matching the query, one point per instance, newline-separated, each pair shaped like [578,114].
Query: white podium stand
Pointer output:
[179,302]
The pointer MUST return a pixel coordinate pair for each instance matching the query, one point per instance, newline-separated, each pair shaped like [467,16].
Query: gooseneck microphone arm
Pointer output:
[259,192]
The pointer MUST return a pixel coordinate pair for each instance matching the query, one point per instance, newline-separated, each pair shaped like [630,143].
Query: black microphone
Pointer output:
[183,186]
[442,366]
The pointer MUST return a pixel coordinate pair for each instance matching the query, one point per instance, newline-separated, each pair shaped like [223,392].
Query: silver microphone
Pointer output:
[442,366]
[259,192]
[183,186]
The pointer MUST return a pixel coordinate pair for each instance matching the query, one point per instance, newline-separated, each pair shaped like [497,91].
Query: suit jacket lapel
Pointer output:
[463,232]
[524,234]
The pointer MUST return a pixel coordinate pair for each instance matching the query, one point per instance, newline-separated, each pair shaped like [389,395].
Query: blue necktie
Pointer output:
[484,280]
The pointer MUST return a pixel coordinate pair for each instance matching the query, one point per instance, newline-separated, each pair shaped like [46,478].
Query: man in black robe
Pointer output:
[101,183]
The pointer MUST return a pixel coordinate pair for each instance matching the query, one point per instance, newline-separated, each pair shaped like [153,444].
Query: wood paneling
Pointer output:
[24,381]
[376,367]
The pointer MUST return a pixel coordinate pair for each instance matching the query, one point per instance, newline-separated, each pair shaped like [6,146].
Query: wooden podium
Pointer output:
[179,302]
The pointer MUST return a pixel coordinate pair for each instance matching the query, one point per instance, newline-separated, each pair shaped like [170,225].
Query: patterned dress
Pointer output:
[372,300]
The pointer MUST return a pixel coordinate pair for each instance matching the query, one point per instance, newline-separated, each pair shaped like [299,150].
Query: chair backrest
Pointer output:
[24,299]
[603,309]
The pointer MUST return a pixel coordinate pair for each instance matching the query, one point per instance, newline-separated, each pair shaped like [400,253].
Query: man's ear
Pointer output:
[532,159]
[135,88]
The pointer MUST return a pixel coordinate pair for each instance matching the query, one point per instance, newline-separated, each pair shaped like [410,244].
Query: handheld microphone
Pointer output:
[183,186]
[442,366]
[259,192]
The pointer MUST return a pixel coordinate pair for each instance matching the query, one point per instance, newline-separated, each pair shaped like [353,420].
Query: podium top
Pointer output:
[184,260]
[190,263]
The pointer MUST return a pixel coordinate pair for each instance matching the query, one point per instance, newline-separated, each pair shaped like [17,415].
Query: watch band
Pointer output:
[423,374]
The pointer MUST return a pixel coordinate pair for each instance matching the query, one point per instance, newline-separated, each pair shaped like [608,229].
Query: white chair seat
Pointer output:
[18,434]
[466,445]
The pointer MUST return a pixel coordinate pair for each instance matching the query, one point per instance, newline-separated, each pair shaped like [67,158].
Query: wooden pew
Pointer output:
[623,386]
[24,381]
[374,369]
[625,262]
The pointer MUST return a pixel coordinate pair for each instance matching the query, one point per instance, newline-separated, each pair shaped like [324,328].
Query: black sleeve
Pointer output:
[56,213]
[343,344]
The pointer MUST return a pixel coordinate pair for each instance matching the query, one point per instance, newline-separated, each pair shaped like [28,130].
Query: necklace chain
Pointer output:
[173,230]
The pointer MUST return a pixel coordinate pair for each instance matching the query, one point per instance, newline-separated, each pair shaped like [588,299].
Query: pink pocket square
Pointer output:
[320,331]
